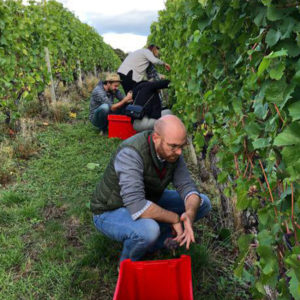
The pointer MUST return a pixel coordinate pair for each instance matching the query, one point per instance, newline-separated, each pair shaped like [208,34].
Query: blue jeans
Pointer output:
[143,235]
[100,117]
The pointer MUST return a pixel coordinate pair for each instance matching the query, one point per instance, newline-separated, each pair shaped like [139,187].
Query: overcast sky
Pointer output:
[123,24]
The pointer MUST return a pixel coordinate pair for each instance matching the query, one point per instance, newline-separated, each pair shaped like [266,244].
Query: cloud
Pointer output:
[123,24]
[116,7]
[127,42]
[135,22]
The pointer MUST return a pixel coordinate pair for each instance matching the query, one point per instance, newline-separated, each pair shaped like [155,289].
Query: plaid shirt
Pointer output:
[100,96]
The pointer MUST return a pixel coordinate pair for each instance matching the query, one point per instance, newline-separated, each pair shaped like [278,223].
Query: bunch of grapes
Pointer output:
[171,244]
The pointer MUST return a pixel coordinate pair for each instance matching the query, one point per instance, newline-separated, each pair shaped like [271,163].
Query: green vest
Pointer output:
[157,175]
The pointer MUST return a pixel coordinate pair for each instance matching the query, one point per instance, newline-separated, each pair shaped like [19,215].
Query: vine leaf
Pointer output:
[294,110]
[276,73]
[261,143]
[272,37]
[274,14]
[290,136]
[294,284]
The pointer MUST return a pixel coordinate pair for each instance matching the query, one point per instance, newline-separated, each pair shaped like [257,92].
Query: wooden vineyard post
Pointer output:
[79,81]
[52,92]
[192,151]
[95,71]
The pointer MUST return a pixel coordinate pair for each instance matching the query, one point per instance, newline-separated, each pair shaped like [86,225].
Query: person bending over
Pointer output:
[146,94]
[133,69]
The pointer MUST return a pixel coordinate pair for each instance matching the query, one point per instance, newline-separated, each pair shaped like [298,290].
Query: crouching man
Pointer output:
[131,203]
[102,101]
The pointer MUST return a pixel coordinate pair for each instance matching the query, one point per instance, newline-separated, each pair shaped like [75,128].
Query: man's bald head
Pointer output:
[169,137]
[170,125]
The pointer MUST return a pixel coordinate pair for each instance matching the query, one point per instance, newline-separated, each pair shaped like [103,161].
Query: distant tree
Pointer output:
[120,53]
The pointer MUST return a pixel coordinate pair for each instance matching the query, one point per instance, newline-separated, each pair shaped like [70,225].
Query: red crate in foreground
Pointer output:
[119,126]
[169,279]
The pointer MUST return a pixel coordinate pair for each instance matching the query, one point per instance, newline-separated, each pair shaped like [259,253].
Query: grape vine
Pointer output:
[25,30]
[236,67]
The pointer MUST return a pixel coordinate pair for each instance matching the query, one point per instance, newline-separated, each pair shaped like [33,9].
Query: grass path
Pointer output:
[49,248]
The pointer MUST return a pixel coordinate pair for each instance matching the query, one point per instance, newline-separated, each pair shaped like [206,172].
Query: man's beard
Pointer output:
[169,158]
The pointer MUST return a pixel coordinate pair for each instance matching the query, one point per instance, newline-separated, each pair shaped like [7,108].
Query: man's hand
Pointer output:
[187,237]
[167,67]
[178,229]
[128,98]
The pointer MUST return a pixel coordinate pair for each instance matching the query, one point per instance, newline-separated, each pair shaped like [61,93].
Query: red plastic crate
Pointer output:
[119,126]
[169,279]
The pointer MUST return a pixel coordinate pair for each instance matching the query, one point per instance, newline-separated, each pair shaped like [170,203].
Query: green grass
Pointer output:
[49,246]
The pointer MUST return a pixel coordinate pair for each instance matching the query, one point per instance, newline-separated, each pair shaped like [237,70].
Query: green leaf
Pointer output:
[287,27]
[290,136]
[253,129]
[272,37]
[243,199]
[265,216]
[263,65]
[261,143]
[203,2]
[260,17]
[294,284]
[296,77]
[275,92]
[243,243]
[266,2]
[199,69]
[291,158]
[275,54]
[237,105]
[274,14]
[265,239]
[294,110]
[291,46]
[294,171]
[276,73]
[260,110]
[92,166]
[197,36]
[199,141]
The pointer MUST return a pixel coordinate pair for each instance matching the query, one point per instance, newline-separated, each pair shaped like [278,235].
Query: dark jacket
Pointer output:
[157,175]
[144,90]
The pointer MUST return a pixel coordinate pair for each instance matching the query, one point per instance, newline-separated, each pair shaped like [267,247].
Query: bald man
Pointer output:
[132,204]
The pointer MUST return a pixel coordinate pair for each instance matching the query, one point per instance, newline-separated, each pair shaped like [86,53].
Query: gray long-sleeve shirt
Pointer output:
[100,96]
[138,61]
[129,168]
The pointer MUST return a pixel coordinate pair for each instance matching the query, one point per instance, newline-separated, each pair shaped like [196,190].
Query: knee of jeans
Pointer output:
[151,231]
[206,205]
[105,107]
[97,219]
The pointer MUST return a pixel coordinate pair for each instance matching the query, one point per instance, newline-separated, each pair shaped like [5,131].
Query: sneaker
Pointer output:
[103,132]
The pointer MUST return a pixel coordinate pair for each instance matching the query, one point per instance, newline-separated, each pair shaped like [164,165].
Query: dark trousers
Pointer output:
[127,82]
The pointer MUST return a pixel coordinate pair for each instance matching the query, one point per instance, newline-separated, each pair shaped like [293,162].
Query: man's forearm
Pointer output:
[160,214]
[118,105]
[191,205]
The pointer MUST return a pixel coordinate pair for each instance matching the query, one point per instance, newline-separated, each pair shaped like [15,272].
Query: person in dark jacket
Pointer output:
[146,94]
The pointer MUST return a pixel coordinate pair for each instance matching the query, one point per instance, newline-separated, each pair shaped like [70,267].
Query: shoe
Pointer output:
[103,132]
